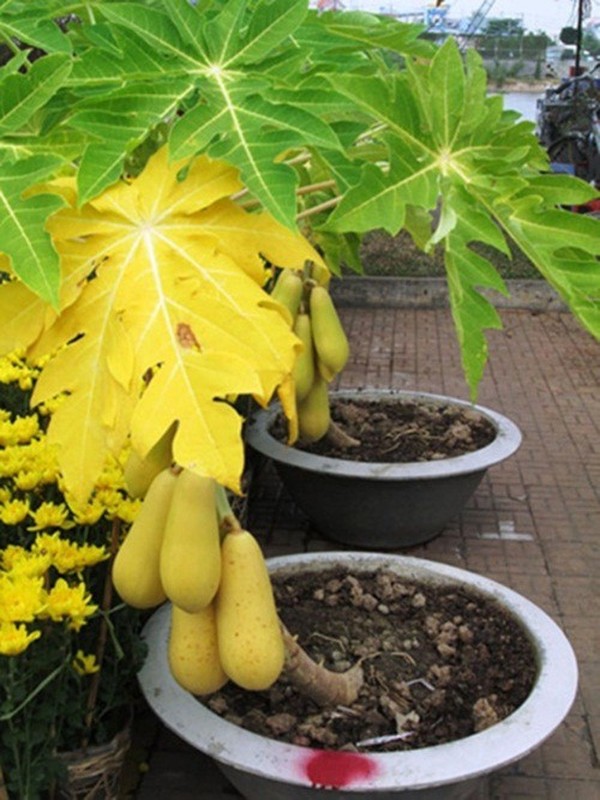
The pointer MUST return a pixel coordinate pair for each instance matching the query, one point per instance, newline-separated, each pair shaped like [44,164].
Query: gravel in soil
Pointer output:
[400,431]
[440,663]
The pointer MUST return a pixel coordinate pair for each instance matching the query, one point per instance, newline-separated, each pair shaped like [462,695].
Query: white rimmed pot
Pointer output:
[265,769]
[382,505]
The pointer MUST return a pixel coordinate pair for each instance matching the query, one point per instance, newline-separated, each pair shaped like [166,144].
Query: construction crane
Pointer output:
[474,23]
[478,17]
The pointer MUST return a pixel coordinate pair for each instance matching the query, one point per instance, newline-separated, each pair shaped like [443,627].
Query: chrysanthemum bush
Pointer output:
[69,649]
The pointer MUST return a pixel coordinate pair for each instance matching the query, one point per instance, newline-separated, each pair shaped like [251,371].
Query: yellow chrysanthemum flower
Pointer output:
[20,431]
[12,554]
[22,597]
[14,459]
[85,665]
[35,453]
[88,514]
[50,515]
[89,555]
[5,494]
[5,432]
[72,603]
[14,512]
[14,639]
[49,473]
[17,559]
[15,369]
[111,476]
[50,543]
[128,509]
[26,481]
[68,556]
[111,499]
[9,373]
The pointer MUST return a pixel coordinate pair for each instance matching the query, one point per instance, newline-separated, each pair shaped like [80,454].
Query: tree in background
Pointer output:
[504,27]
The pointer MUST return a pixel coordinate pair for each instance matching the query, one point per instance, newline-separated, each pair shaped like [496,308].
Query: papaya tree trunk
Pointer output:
[321,685]
[338,437]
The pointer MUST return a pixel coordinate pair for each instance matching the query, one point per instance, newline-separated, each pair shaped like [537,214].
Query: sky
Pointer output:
[546,15]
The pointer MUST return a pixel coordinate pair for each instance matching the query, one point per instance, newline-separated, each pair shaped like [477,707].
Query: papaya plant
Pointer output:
[159,159]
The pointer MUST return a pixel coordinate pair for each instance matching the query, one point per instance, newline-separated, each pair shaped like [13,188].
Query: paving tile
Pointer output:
[589,690]
[579,595]
[181,775]
[519,787]
[568,754]
[573,559]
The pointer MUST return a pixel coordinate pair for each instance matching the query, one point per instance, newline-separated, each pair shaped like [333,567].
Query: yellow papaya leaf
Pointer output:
[265,237]
[214,423]
[163,316]
[22,314]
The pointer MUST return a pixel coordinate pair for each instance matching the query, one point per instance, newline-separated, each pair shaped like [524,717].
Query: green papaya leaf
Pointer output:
[378,32]
[34,30]
[447,97]
[268,28]
[21,95]
[23,237]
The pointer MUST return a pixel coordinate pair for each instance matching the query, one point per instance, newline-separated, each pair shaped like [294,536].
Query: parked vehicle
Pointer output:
[568,122]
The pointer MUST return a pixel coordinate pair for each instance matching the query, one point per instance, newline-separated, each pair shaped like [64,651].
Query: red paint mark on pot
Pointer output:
[336,770]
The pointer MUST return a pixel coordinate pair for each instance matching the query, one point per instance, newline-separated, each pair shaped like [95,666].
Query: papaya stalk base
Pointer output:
[324,687]
[338,437]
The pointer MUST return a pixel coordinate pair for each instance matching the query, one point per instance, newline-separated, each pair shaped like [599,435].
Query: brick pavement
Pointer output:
[532,524]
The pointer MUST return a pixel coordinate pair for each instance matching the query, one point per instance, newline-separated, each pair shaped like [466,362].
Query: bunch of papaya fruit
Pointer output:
[224,623]
[325,352]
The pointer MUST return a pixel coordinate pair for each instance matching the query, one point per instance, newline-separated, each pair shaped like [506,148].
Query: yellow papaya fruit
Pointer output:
[135,571]
[303,372]
[139,472]
[193,652]
[313,412]
[190,556]
[249,635]
[331,343]
[324,371]
[288,291]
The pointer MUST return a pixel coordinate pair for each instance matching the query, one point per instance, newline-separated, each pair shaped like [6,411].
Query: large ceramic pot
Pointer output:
[265,769]
[382,505]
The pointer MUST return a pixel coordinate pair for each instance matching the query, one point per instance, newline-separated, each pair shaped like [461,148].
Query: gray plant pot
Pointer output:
[265,769]
[382,505]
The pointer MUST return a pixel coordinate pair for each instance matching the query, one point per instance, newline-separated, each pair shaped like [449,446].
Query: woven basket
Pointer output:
[94,773]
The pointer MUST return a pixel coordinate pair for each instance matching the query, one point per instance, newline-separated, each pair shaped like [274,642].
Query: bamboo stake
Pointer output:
[102,635]
[309,212]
